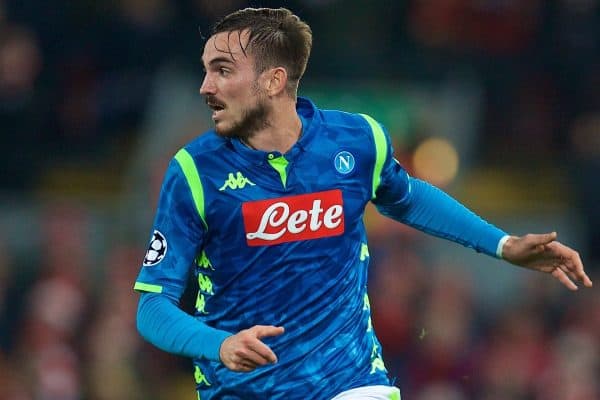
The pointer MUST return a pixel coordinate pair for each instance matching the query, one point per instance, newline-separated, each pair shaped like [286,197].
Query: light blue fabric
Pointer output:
[163,323]
[431,210]
[292,255]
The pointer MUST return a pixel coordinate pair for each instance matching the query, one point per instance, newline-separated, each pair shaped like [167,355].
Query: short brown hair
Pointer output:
[278,38]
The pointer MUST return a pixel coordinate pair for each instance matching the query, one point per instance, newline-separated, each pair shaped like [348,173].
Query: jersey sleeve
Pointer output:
[176,237]
[390,182]
[421,205]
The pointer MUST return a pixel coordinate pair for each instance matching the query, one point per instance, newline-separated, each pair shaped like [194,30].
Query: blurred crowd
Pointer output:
[78,95]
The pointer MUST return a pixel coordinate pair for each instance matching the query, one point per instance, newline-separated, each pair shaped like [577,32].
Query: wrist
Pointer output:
[502,244]
[221,349]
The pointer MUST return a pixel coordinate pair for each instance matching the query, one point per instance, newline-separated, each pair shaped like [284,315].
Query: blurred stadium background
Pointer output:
[498,102]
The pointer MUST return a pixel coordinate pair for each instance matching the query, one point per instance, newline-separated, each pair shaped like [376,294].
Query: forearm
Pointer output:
[431,210]
[161,322]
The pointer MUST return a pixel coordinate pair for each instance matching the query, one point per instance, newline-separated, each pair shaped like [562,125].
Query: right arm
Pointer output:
[429,209]
[161,322]
[162,281]
[178,234]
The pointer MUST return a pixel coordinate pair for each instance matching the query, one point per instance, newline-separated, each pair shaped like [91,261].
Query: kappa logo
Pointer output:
[294,218]
[237,181]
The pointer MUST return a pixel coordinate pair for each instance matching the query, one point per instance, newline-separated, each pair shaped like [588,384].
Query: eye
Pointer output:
[223,71]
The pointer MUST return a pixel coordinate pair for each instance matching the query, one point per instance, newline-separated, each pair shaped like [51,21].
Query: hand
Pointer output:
[541,252]
[244,352]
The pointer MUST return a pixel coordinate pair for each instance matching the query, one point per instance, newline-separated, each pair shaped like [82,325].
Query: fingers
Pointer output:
[243,366]
[261,349]
[243,358]
[262,331]
[564,279]
[543,253]
[587,282]
[549,237]
[576,271]
[244,351]
[520,250]
[570,263]
[260,354]
[538,241]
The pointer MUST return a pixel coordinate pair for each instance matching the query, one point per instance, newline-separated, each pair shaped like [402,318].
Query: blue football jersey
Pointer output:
[278,239]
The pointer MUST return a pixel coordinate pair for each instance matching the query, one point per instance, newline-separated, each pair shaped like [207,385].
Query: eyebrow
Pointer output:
[220,60]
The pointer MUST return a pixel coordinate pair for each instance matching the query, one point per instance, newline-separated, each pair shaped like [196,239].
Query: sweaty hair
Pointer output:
[277,38]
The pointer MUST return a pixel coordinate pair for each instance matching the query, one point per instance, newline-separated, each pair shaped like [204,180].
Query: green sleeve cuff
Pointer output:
[146,287]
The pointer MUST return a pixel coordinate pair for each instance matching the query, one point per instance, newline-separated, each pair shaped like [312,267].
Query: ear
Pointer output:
[276,81]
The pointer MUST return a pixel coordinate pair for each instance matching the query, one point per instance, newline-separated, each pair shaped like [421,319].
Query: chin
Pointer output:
[223,131]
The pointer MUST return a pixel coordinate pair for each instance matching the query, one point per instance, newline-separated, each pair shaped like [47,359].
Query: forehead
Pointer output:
[230,45]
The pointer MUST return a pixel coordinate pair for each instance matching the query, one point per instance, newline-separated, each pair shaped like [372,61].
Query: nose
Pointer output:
[207,87]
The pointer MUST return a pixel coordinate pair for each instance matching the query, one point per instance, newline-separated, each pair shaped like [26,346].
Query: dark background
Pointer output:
[497,102]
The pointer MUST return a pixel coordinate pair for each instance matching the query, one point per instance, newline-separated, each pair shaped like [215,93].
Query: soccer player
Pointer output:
[266,212]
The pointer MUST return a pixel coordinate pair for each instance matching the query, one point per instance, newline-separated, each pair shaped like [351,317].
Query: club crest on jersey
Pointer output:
[294,218]
[344,162]
[157,249]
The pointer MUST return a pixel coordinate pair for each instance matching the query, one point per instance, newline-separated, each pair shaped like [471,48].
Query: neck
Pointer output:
[283,131]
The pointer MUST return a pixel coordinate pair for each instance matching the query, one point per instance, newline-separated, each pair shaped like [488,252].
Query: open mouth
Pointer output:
[214,105]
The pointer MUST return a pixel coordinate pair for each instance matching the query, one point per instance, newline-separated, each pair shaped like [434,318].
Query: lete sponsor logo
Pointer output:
[293,218]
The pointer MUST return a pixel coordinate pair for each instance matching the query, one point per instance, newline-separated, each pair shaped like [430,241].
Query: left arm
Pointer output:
[429,209]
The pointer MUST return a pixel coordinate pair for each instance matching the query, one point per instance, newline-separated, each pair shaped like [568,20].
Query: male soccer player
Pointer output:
[266,212]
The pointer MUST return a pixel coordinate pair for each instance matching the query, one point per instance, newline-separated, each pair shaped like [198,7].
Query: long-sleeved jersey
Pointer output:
[279,239]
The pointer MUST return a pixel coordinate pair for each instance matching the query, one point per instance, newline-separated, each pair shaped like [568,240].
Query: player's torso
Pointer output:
[289,248]
[268,223]
[258,206]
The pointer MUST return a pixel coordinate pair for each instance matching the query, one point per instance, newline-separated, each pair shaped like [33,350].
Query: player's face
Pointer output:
[231,86]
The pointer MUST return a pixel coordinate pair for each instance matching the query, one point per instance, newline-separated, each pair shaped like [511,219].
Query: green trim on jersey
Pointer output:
[146,287]
[279,164]
[380,149]
[395,396]
[186,162]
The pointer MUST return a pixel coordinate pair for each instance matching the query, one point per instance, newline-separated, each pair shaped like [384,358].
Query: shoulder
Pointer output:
[358,126]
[198,154]
[343,119]
[332,119]
[205,144]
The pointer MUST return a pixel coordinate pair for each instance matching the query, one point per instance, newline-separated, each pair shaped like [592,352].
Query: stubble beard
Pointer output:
[253,119]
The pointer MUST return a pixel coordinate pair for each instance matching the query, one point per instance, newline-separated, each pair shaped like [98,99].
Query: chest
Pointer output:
[317,195]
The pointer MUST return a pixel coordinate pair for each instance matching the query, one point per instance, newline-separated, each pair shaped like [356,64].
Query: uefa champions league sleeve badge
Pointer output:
[157,249]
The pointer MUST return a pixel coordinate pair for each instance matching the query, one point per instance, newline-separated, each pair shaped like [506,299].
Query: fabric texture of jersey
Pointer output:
[276,239]
[329,345]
